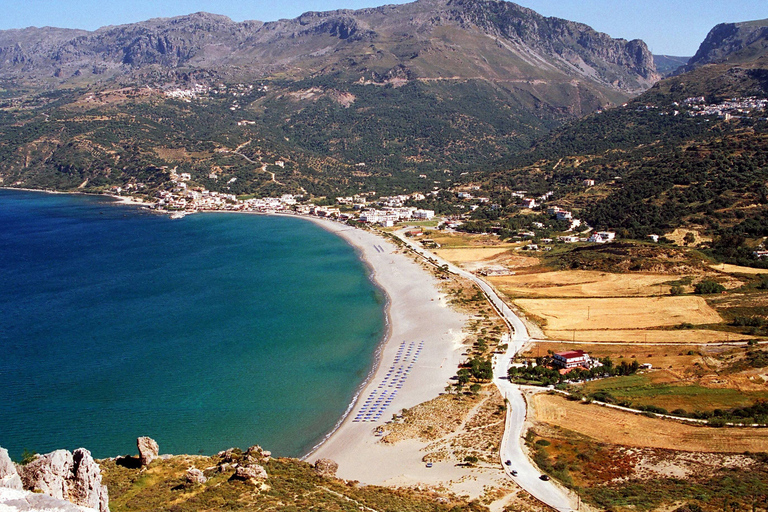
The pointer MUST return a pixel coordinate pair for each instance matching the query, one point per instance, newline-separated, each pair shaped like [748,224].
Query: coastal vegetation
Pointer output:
[291,485]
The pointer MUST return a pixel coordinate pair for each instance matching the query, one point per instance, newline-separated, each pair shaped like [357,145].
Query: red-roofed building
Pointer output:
[571,359]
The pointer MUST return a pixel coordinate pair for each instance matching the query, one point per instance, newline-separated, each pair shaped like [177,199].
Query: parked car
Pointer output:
[514,472]
[544,477]
[429,464]
[508,463]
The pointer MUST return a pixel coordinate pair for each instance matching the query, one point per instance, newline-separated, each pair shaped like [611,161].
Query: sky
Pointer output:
[669,27]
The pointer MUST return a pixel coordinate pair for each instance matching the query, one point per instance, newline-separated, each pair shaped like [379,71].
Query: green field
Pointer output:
[645,389]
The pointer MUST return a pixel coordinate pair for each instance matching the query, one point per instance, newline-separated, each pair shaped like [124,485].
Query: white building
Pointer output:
[571,359]
[423,214]
[602,237]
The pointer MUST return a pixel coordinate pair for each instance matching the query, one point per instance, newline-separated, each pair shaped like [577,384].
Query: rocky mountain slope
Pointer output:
[425,39]
[732,42]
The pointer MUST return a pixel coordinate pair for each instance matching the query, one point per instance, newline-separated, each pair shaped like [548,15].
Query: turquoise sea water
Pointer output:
[207,332]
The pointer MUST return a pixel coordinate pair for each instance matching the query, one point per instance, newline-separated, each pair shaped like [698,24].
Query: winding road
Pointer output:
[511,444]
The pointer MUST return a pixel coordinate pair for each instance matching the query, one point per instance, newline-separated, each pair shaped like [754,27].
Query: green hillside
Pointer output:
[665,160]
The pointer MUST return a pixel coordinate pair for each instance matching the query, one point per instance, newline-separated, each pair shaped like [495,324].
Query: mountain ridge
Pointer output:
[731,42]
[402,34]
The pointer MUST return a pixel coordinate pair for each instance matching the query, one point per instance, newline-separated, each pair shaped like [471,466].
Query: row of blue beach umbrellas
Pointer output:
[381,397]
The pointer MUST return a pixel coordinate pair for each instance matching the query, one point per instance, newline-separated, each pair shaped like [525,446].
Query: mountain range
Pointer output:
[399,97]
[425,39]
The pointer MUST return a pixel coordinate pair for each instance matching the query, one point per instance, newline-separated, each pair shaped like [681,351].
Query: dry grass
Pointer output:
[683,336]
[454,425]
[678,235]
[735,269]
[623,428]
[431,420]
[623,313]
[582,283]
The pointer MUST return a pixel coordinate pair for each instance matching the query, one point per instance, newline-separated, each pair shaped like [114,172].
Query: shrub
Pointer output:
[707,287]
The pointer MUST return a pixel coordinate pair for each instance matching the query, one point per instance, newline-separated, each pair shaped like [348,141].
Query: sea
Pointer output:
[212,331]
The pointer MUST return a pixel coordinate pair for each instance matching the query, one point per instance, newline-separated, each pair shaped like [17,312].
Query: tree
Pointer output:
[475,388]
[689,238]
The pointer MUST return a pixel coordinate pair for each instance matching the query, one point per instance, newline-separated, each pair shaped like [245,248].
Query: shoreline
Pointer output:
[421,346]
[337,229]
[414,362]
[117,199]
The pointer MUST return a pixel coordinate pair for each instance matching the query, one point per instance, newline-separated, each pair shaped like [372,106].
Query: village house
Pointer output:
[529,203]
[553,210]
[572,359]
[602,237]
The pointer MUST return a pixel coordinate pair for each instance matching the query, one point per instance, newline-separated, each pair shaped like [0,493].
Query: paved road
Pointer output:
[511,445]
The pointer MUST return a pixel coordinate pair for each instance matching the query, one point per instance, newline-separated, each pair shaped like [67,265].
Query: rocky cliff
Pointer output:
[56,480]
[732,43]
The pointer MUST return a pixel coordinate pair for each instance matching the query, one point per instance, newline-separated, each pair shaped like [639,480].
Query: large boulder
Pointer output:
[326,467]
[251,473]
[195,476]
[9,477]
[74,477]
[148,450]
[257,454]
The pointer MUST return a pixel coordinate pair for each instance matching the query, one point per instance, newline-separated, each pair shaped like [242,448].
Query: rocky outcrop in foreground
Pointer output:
[57,479]
[9,477]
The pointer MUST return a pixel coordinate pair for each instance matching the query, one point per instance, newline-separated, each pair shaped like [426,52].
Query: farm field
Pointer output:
[622,313]
[735,269]
[651,336]
[582,283]
[618,427]
[667,390]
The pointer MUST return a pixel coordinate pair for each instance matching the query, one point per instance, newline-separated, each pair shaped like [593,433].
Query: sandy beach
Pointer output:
[421,353]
